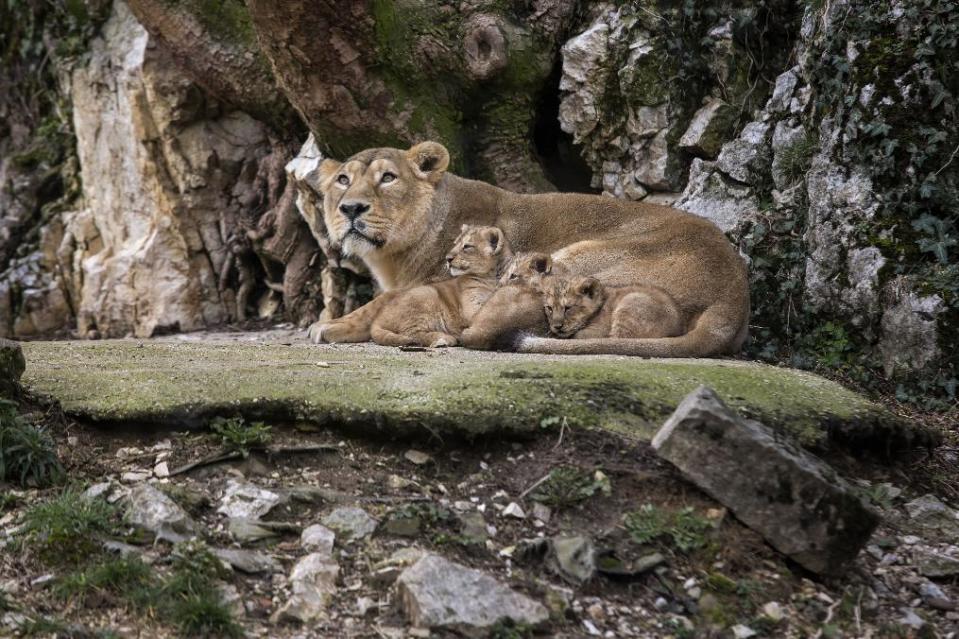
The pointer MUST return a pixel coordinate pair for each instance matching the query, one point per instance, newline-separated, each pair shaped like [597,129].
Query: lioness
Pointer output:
[584,308]
[433,314]
[399,210]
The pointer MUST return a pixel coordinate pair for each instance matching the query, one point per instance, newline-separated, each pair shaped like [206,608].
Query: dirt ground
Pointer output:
[733,586]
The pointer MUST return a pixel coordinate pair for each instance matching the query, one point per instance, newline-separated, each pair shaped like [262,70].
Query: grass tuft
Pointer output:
[238,436]
[28,455]
[567,485]
[68,529]
[683,528]
[126,578]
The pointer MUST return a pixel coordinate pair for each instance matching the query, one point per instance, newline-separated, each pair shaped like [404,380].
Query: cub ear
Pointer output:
[589,286]
[543,264]
[328,168]
[496,240]
[429,160]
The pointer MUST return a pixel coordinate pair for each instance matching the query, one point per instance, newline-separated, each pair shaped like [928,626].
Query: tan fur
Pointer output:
[583,308]
[433,314]
[525,267]
[412,220]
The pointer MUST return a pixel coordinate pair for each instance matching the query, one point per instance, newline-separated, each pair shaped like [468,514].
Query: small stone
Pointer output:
[743,632]
[245,500]
[591,628]
[249,561]
[318,538]
[748,463]
[911,619]
[364,605]
[313,582]
[151,509]
[648,562]
[395,482]
[473,527]
[935,597]
[936,564]
[930,513]
[542,512]
[660,604]
[437,593]
[350,523]
[417,457]
[773,611]
[596,612]
[695,592]
[514,510]
[911,540]
[134,476]
[250,530]
[42,581]
[161,470]
[573,558]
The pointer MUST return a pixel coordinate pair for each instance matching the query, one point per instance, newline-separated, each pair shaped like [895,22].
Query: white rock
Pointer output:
[161,470]
[151,509]
[245,500]
[514,510]
[542,512]
[439,594]
[417,457]
[313,582]
[318,539]
[773,611]
[743,632]
[350,523]
[134,476]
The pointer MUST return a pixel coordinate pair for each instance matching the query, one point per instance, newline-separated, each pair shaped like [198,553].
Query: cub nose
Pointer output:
[449,259]
[353,210]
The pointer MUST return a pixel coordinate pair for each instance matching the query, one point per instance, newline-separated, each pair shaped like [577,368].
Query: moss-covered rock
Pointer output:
[12,366]
[368,389]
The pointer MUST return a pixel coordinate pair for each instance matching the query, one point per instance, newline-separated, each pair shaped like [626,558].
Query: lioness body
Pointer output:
[584,308]
[402,227]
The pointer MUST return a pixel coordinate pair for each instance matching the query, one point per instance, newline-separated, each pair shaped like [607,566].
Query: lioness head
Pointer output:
[525,267]
[478,250]
[571,303]
[378,199]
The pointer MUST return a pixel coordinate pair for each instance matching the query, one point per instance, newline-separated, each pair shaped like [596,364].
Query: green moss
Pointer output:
[373,389]
[228,19]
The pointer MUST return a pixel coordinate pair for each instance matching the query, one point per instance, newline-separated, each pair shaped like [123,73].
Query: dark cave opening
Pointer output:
[561,159]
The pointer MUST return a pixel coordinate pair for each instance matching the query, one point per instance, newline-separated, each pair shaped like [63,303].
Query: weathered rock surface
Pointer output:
[437,593]
[248,561]
[12,365]
[313,581]
[366,387]
[572,558]
[149,508]
[350,523]
[317,538]
[245,500]
[796,501]
[928,512]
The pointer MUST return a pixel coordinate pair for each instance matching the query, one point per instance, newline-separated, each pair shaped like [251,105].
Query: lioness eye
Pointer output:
[387,178]
[345,181]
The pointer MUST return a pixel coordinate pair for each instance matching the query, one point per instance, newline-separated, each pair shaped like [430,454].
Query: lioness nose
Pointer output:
[449,259]
[353,210]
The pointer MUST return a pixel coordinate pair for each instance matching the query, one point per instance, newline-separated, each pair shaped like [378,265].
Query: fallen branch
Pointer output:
[270,451]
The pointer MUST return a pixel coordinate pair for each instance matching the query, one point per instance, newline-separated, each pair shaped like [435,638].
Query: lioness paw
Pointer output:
[444,342]
[316,331]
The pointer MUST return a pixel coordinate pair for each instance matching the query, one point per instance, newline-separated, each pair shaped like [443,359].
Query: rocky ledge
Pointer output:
[367,389]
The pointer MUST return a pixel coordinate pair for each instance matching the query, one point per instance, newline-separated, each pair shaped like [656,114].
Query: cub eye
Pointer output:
[468,247]
[387,178]
[344,180]
[514,276]
[549,309]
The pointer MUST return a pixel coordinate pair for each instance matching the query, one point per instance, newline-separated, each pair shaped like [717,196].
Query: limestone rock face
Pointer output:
[793,499]
[161,168]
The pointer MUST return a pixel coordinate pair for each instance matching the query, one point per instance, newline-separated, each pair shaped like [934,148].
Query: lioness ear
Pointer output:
[328,168]
[430,160]
[495,239]
[543,264]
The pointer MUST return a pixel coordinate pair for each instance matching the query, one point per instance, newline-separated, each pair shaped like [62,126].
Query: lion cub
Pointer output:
[529,268]
[436,314]
[584,308]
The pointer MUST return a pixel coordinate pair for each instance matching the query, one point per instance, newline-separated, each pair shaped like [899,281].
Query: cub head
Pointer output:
[379,199]
[525,267]
[570,304]
[479,250]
